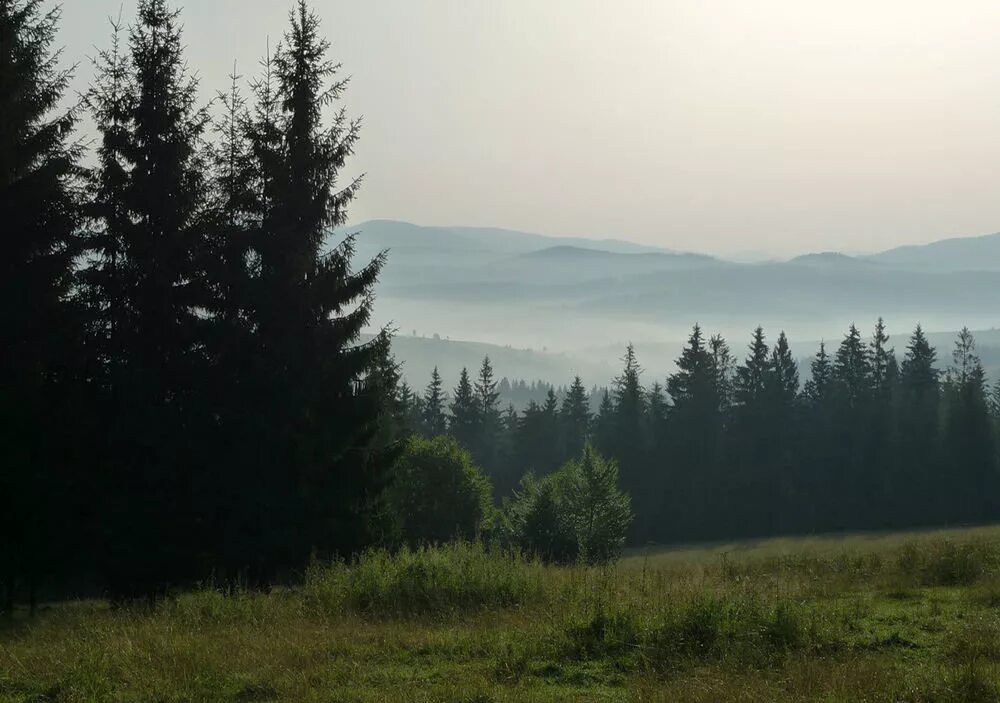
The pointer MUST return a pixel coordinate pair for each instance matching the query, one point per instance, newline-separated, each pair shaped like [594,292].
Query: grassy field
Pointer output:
[908,617]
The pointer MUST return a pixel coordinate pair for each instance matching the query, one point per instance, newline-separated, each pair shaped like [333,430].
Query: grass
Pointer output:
[899,617]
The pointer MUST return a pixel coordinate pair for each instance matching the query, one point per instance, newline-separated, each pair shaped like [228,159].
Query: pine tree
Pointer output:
[696,427]
[575,419]
[605,425]
[434,420]
[817,389]
[40,360]
[882,360]
[852,370]
[972,481]
[919,430]
[319,450]
[785,373]
[146,290]
[464,422]
[752,376]
[486,445]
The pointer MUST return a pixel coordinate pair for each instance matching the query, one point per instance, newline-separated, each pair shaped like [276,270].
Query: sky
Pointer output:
[722,126]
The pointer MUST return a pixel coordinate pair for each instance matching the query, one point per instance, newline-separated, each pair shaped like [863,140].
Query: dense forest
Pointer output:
[730,446]
[186,394]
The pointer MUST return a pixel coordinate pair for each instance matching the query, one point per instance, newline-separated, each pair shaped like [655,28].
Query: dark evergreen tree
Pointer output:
[752,439]
[147,291]
[919,431]
[696,427]
[486,445]
[574,419]
[435,422]
[40,351]
[321,466]
[970,482]
[464,422]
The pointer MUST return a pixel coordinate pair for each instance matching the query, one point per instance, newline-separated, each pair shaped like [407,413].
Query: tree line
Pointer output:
[729,447]
[183,392]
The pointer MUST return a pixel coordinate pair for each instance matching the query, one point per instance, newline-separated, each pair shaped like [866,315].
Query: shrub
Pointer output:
[536,520]
[576,513]
[597,509]
[437,494]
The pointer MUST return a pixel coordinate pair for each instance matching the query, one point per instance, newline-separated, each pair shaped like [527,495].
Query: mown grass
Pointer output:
[912,617]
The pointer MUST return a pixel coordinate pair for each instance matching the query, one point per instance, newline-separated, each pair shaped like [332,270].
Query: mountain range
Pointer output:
[573,294]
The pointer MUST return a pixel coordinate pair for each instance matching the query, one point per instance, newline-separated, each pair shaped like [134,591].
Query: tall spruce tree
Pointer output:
[40,351]
[319,458]
[752,440]
[486,445]
[919,431]
[971,480]
[146,288]
[696,426]
[435,421]
[574,419]
[464,422]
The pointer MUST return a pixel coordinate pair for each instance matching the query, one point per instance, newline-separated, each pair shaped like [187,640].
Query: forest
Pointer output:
[186,394]
[739,446]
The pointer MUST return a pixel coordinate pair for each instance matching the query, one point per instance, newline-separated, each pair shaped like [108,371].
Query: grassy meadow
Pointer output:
[904,617]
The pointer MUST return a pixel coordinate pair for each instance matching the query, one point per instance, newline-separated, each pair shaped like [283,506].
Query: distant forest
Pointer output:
[735,446]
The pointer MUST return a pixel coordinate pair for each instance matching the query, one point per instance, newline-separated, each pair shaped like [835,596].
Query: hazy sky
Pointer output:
[713,125]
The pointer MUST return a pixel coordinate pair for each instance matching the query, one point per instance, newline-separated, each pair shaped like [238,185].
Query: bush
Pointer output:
[576,513]
[437,494]
[598,511]
[536,521]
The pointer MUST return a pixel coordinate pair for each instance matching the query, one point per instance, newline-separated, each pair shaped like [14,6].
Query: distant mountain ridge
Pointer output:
[530,290]
[981,253]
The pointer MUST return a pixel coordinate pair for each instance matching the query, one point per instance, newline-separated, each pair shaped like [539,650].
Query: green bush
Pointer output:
[437,494]
[576,513]
[536,521]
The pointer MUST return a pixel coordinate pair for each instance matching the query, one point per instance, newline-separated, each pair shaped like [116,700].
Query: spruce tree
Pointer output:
[147,292]
[696,428]
[971,481]
[817,389]
[435,422]
[575,419]
[319,451]
[40,351]
[486,445]
[464,422]
[919,430]
[751,439]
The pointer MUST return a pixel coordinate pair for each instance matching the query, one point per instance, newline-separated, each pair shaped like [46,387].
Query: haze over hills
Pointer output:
[571,295]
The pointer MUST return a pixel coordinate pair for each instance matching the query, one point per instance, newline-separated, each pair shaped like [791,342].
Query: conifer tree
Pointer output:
[604,424]
[919,429]
[435,422]
[40,351]
[971,482]
[817,388]
[319,382]
[696,426]
[575,419]
[486,445]
[751,378]
[464,422]
[147,290]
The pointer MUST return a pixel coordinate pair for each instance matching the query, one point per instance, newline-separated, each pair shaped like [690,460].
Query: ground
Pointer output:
[901,617]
